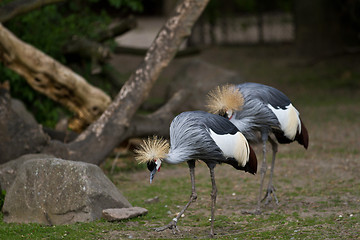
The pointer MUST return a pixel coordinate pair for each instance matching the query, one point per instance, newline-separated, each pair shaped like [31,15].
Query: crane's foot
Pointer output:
[269,196]
[212,234]
[171,225]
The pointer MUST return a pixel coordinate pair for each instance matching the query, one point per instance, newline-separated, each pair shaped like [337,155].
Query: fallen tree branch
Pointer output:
[116,28]
[86,48]
[53,79]
[18,7]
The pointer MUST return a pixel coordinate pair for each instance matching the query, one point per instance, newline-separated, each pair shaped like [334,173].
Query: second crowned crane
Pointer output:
[258,110]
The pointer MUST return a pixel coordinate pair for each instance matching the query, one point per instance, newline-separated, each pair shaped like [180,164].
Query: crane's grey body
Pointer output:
[255,116]
[190,138]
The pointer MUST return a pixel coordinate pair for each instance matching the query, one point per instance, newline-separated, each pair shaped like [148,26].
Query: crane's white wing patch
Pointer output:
[289,120]
[234,146]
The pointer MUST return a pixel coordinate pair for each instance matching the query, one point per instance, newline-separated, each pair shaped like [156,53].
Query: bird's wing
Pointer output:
[266,94]
[280,106]
[218,124]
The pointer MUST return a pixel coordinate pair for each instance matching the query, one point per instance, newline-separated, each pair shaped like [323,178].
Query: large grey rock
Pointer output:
[117,214]
[19,107]
[8,170]
[200,77]
[55,191]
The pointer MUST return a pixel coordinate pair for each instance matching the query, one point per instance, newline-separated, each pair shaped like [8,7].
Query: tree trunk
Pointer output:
[99,139]
[116,28]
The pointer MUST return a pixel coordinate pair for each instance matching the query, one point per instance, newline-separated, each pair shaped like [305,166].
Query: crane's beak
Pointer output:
[152,174]
[155,168]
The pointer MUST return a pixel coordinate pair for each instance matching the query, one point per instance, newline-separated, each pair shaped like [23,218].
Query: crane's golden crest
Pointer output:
[224,98]
[152,149]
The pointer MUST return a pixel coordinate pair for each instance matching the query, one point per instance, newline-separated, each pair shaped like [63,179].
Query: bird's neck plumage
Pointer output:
[246,126]
[175,156]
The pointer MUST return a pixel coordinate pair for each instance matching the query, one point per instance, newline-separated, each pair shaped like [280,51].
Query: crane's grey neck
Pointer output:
[176,156]
[248,127]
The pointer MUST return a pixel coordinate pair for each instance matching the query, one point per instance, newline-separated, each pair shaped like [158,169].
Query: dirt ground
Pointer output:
[320,182]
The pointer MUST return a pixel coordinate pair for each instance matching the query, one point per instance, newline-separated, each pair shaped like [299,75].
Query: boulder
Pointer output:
[20,109]
[19,135]
[117,214]
[53,191]
[8,170]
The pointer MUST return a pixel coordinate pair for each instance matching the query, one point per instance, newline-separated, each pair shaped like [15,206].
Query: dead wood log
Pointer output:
[18,7]
[93,49]
[100,138]
[53,79]
[88,49]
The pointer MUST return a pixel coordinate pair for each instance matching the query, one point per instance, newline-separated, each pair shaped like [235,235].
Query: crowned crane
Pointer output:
[258,110]
[202,136]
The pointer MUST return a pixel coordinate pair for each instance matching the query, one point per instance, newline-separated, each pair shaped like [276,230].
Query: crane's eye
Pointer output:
[151,166]
[223,114]
[229,114]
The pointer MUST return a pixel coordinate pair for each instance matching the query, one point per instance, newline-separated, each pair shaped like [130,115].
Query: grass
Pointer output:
[318,189]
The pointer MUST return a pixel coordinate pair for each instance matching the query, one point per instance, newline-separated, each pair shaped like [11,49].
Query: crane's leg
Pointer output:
[263,169]
[213,200]
[271,188]
[262,177]
[193,197]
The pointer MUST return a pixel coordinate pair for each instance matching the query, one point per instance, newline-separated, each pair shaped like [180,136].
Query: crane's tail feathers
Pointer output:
[222,98]
[251,165]
[303,136]
[245,155]
[242,150]
[152,149]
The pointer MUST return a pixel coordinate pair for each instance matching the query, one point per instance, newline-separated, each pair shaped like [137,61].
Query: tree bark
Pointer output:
[18,7]
[99,139]
[53,79]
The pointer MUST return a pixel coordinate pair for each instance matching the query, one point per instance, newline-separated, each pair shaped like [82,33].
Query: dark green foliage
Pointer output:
[2,198]
[49,29]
